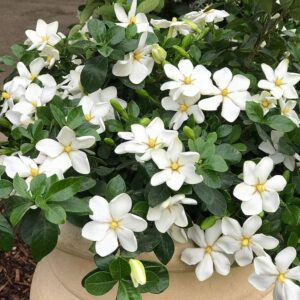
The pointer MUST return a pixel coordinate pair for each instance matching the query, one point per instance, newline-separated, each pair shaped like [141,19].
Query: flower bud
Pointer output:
[287,175]
[138,273]
[109,141]
[209,222]
[145,121]
[181,51]
[189,132]
[159,54]
[142,93]
[118,107]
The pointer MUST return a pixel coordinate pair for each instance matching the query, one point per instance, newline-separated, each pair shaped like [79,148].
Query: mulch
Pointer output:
[16,270]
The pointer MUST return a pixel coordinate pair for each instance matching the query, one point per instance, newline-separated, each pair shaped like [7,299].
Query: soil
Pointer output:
[17,266]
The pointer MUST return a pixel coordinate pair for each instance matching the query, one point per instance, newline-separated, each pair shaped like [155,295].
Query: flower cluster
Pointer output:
[160,132]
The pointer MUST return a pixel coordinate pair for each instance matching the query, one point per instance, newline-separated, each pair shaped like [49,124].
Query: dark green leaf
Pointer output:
[97,29]
[165,249]
[6,188]
[55,214]
[119,269]
[99,283]
[6,235]
[158,194]
[281,123]
[127,292]
[21,187]
[254,112]
[115,187]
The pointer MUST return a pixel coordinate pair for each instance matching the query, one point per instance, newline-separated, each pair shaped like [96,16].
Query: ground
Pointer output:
[16,267]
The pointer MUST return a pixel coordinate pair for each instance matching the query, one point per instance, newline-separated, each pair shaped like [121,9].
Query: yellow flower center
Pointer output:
[68,149]
[187,80]
[49,58]
[260,188]
[245,242]
[281,277]
[45,38]
[225,92]
[34,103]
[137,56]
[174,19]
[265,103]
[183,107]
[208,249]
[5,95]
[114,225]
[151,143]
[132,20]
[174,166]
[278,82]
[32,77]
[88,117]
[34,172]
[285,111]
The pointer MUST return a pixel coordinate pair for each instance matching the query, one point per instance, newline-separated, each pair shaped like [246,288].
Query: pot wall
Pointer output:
[59,276]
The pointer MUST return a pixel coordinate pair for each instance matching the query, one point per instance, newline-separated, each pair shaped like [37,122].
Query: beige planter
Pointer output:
[58,276]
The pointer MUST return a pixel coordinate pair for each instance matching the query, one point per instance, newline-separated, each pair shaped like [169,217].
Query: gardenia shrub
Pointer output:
[149,125]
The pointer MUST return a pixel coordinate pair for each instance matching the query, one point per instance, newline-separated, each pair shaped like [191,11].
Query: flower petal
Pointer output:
[294,273]
[221,263]
[197,236]
[49,147]
[261,282]
[211,103]
[83,142]
[120,206]
[94,231]
[264,266]
[134,223]
[66,136]
[251,225]
[276,184]
[230,111]
[263,169]
[108,245]
[265,241]
[244,192]
[239,83]
[285,258]
[192,256]
[80,162]
[127,239]
[175,181]
[268,71]
[270,201]
[222,78]
[213,233]
[231,227]
[228,244]
[253,206]
[244,256]
[100,209]
[205,268]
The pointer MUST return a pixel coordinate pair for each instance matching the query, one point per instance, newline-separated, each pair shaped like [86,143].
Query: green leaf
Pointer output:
[165,249]
[102,263]
[55,214]
[99,283]
[147,6]
[211,178]
[17,50]
[77,206]
[18,213]
[119,269]
[293,239]
[44,238]
[6,235]
[127,292]
[215,163]
[58,115]
[38,184]
[115,187]
[6,188]
[286,3]
[97,29]
[291,215]
[105,51]
[88,11]
[115,35]
[205,149]
[151,283]
[140,209]
[214,200]
[94,74]
[133,109]
[158,194]
[21,187]
[254,112]
[281,123]
[114,126]
[75,117]
[229,153]
[224,130]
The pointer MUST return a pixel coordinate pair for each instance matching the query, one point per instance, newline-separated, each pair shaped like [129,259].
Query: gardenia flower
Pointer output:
[265,100]
[257,192]
[279,81]
[18,119]
[140,19]
[187,80]
[138,64]
[65,152]
[176,26]
[138,273]
[231,91]
[51,54]
[170,212]
[184,107]
[209,255]
[72,85]
[209,16]
[35,68]
[45,34]
[242,240]
[144,140]
[287,110]
[177,167]
[267,273]
[113,224]
[178,234]
[272,148]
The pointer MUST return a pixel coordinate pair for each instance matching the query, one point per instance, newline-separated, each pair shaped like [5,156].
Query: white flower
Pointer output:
[140,19]
[209,255]
[209,16]
[266,101]
[94,112]
[178,234]
[18,119]
[34,97]
[51,54]
[12,90]
[187,80]
[113,224]
[144,140]
[72,85]
[242,240]
[231,93]
[287,109]
[279,81]
[272,148]
[35,68]
[43,35]
[184,107]
[170,212]
[177,167]
[177,26]
[138,64]
[267,273]
[138,273]
[66,152]
[257,192]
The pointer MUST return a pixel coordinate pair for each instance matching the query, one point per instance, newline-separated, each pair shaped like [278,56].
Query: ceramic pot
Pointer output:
[59,275]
